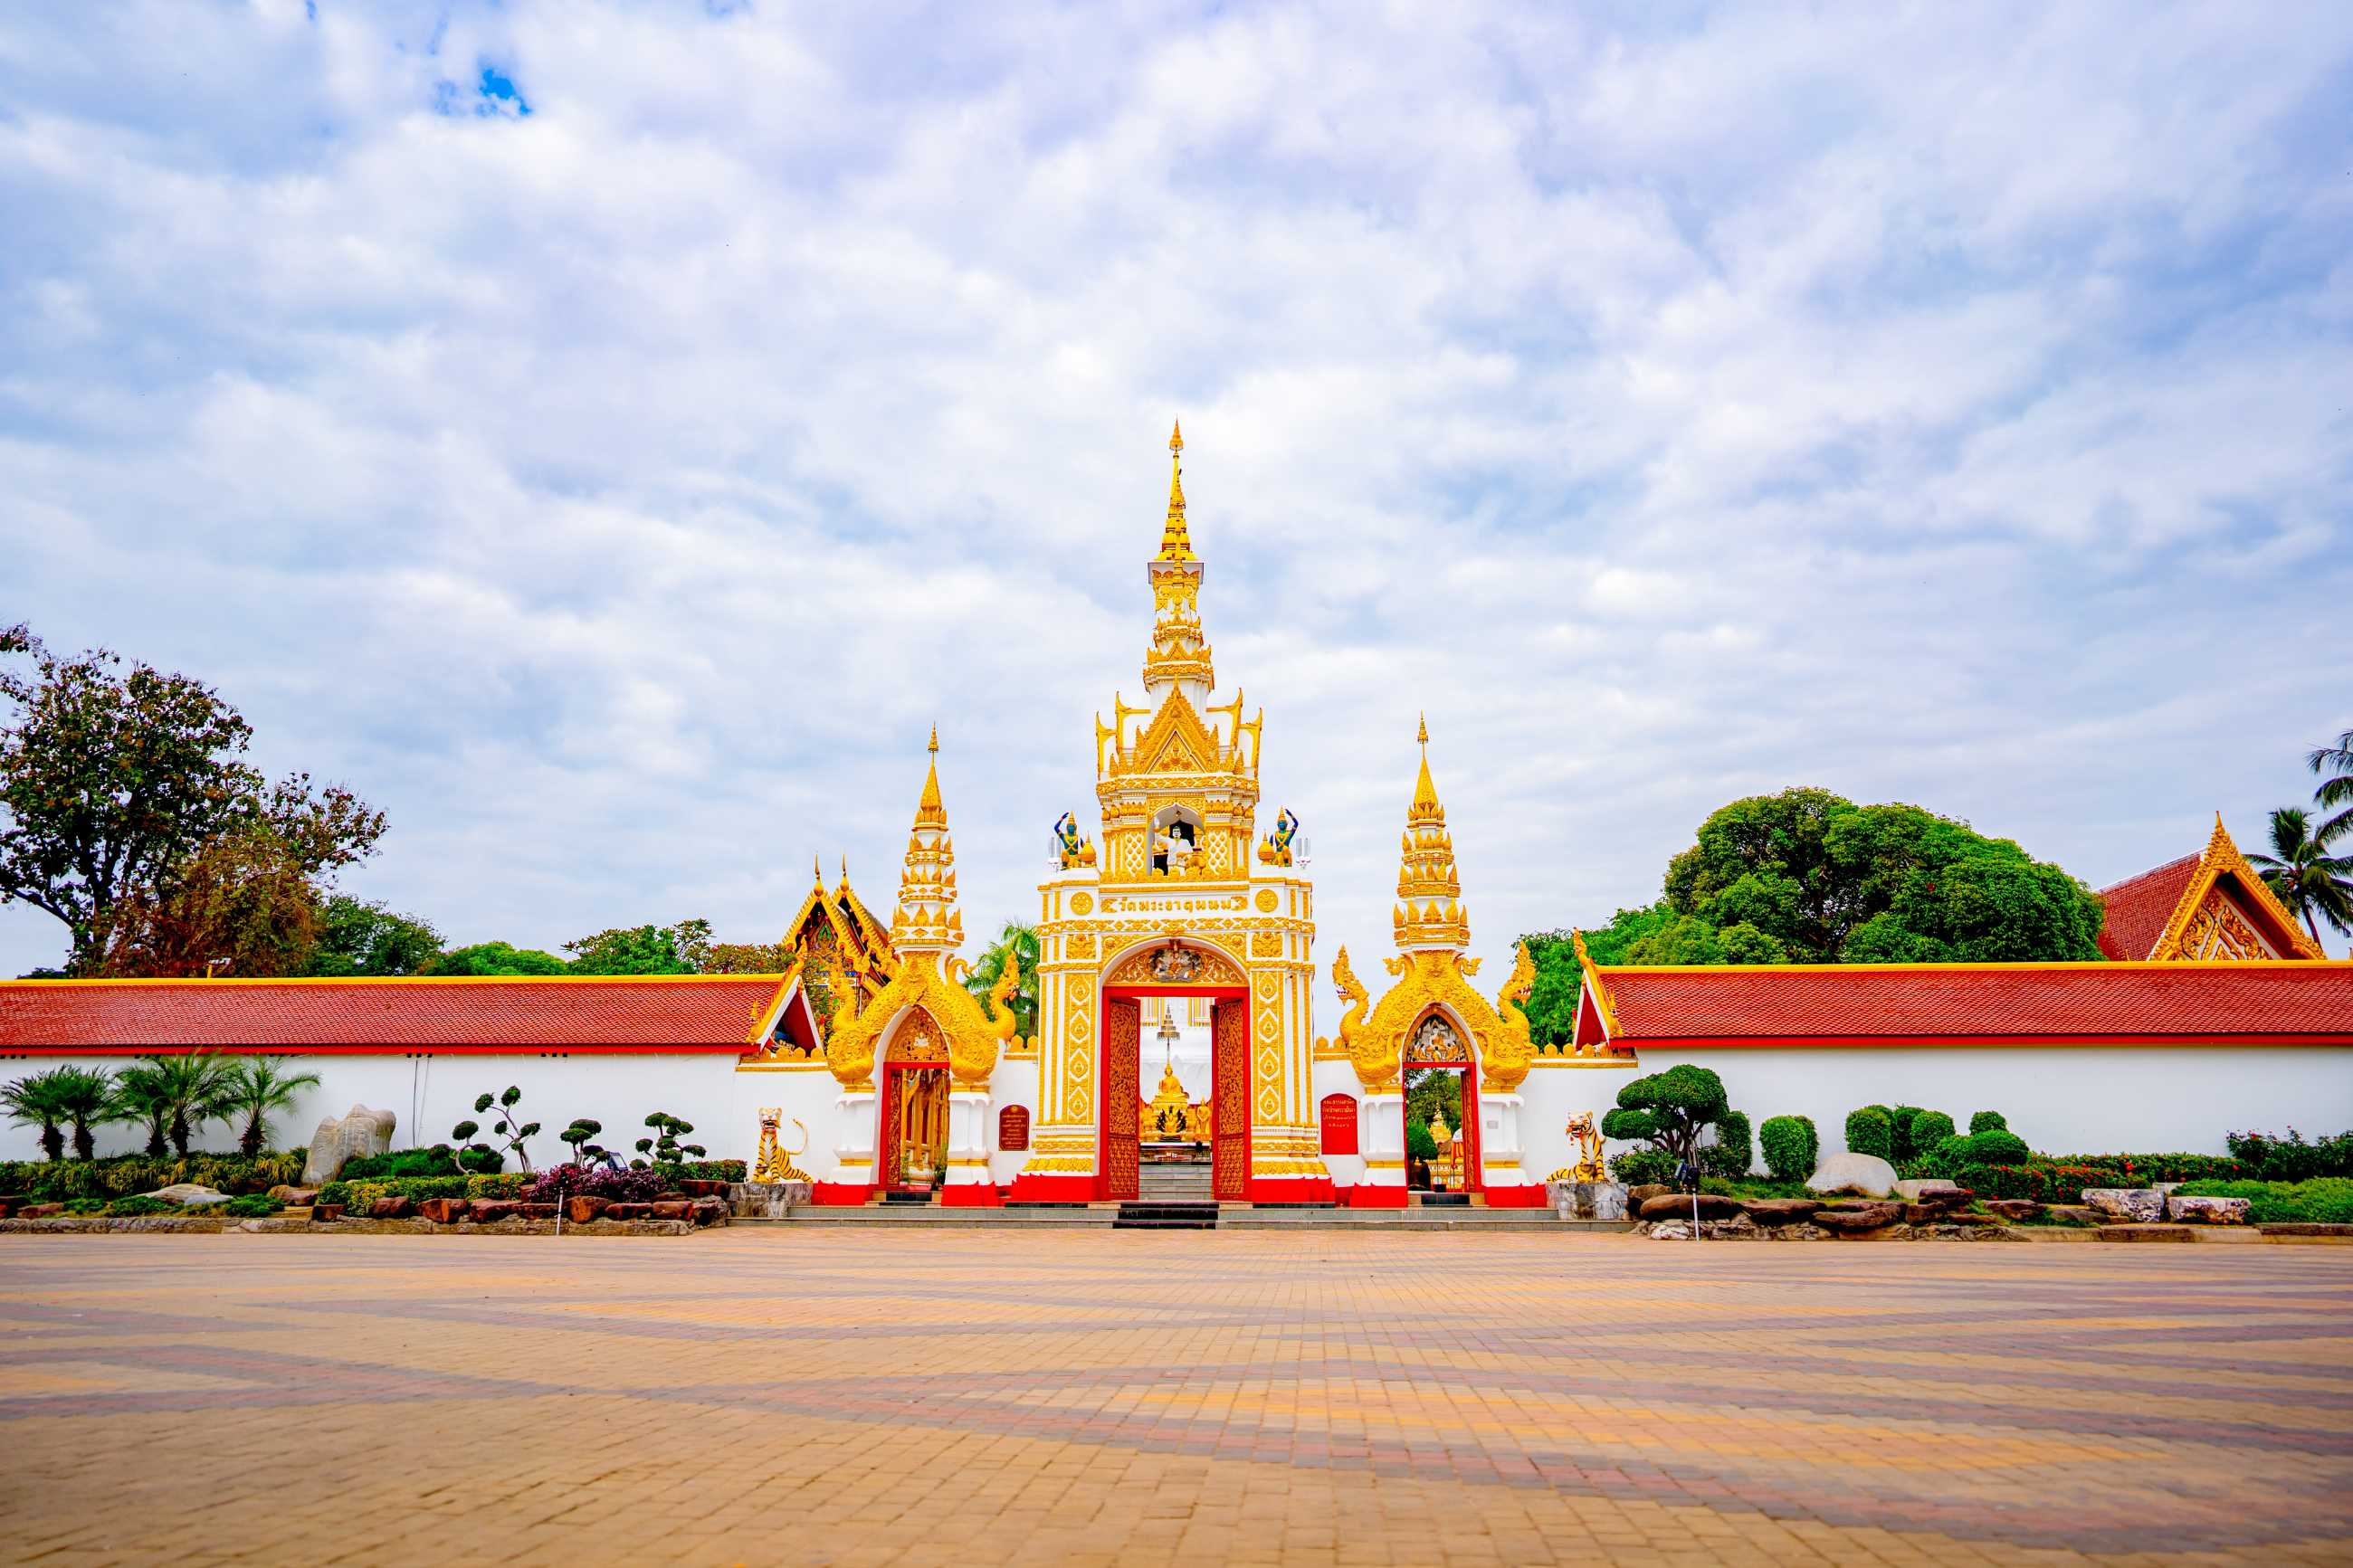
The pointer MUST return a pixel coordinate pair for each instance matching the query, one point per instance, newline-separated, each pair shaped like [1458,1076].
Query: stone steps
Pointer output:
[1163,1216]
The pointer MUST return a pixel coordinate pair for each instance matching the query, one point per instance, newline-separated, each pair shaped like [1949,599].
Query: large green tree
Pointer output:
[495,960]
[680,949]
[114,782]
[369,939]
[1807,877]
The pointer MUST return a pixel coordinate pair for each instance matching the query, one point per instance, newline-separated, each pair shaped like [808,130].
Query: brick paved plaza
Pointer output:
[1000,1396]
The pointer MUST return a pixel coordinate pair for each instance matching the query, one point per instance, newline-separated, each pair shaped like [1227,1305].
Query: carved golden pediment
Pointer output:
[1176,964]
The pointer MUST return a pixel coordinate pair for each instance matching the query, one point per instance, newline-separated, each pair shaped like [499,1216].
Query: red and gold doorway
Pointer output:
[1118,1117]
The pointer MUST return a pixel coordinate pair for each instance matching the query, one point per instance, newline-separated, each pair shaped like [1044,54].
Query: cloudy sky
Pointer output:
[607,436]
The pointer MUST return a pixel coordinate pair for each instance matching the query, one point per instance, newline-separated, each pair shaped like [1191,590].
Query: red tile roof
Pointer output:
[2299,1002]
[666,1012]
[2139,907]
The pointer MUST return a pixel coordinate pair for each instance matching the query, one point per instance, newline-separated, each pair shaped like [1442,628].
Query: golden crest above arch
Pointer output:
[1186,958]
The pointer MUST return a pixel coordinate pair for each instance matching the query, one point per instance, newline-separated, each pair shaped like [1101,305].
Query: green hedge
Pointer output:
[358,1195]
[121,1175]
[1640,1166]
[2041,1181]
[1989,1121]
[2323,1200]
[704,1171]
[1927,1129]
[1791,1146]
[2145,1170]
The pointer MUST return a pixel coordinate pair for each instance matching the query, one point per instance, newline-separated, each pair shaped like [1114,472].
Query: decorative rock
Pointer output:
[581,1210]
[40,1211]
[1865,1173]
[1637,1197]
[628,1211]
[357,1131]
[1917,1190]
[325,1214]
[536,1211]
[188,1196]
[1587,1200]
[1670,1230]
[1849,1219]
[444,1211]
[295,1197]
[1677,1205]
[490,1211]
[1942,1210]
[2206,1211]
[2071,1213]
[701,1189]
[2143,1205]
[2013,1208]
[671,1208]
[709,1210]
[391,1208]
[1776,1211]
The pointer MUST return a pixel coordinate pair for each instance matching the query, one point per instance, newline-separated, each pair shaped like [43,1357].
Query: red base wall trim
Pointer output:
[1366,1197]
[839,1194]
[971,1195]
[1052,1189]
[1521,1197]
[1291,1190]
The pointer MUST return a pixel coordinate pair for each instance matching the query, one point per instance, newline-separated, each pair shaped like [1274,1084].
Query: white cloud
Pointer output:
[1933,406]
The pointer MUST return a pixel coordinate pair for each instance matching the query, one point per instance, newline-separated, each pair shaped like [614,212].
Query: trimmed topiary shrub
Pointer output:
[1790,1147]
[1870,1130]
[1989,1121]
[1998,1147]
[251,1206]
[1419,1143]
[121,1175]
[508,1185]
[704,1171]
[1733,1150]
[2041,1181]
[1927,1129]
[1899,1131]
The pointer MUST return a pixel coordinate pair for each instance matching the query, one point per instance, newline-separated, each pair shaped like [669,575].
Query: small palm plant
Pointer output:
[257,1087]
[85,1098]
[193,1089]
[2335,766]
[139,1100]
[35,1099]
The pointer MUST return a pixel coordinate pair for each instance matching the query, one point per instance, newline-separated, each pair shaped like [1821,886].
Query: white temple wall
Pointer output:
[431,1093]
[1015,1082]
[2061,1099]
[1550,1095]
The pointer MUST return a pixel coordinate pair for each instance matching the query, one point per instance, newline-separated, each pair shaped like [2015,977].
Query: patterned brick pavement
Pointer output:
[1325,1397]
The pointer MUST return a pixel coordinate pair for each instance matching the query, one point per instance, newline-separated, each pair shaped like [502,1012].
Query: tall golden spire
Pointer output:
[1430,913]
[1180,654]
[927,920]
[1175,544]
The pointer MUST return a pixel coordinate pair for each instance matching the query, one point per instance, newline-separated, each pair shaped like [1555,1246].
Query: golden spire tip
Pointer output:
[1424,736]
[1176,436]
[936,738]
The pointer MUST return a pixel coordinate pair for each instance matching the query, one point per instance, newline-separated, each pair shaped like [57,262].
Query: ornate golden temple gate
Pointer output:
[1121,1139]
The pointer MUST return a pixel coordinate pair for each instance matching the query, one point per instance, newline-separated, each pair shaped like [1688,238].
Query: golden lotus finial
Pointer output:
[936,738]
[1423,738]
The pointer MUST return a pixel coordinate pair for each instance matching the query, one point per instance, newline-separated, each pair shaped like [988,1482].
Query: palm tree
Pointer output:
[2308,879]
[138,1099]
[2337,788]
[256,1086]
[1020,939]
[83,1097]
[38,1098]
[193,1089]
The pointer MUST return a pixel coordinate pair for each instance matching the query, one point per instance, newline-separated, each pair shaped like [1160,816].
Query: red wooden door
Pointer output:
[1122,1102]
[1230,1101]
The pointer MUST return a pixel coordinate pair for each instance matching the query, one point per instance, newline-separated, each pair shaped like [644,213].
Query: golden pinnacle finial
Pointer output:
[817,872]
[1424,737]
[1176,436]
[936,739]
[1175,542]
